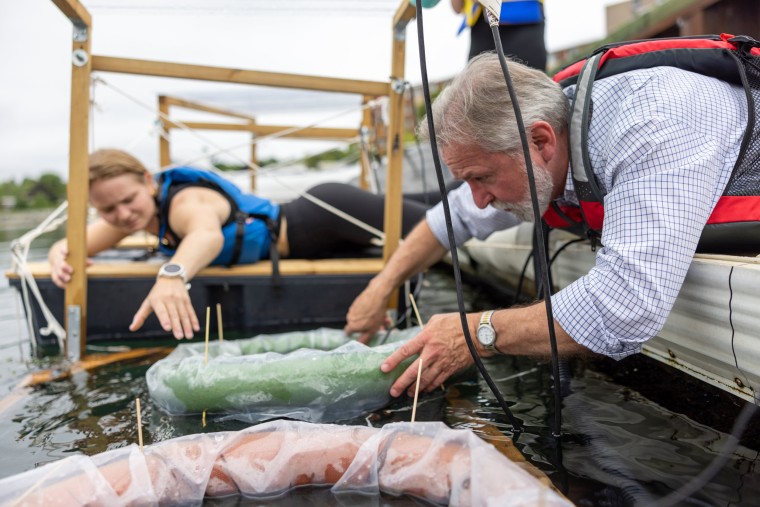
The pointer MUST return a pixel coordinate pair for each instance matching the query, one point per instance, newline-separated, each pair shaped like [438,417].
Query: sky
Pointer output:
[336,38]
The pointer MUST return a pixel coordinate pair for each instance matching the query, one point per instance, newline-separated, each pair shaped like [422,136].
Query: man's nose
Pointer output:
[481,197]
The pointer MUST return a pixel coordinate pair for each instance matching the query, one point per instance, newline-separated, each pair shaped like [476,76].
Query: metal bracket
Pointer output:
[73,337]
[399,32]
[79,57]
[398,85]
[81,32]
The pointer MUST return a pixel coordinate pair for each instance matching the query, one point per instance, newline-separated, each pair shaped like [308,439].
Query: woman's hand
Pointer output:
[60,270]
[170,301]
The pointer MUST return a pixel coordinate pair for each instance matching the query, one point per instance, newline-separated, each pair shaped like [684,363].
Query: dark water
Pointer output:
[621,444]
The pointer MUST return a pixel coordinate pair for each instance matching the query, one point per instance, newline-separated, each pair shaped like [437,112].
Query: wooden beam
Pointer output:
[240,76]
[197,106]
[41,270]
[75,11]
[404,14]
[265,130]
[306,133]
[77,190]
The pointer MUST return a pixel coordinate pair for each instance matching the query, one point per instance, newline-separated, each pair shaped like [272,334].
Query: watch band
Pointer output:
[485,332]
[485,318]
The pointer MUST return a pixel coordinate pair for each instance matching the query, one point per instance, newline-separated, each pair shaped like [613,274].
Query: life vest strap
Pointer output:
[273,226]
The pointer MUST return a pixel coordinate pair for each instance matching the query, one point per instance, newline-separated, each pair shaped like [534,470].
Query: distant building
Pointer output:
[646,19]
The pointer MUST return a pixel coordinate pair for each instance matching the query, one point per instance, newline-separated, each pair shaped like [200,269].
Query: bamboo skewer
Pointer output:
[219,322]
[205,354]
[419,365]
[139,424]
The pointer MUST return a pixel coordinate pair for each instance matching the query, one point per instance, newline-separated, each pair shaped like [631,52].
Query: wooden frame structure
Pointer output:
[249,124]
[84,63]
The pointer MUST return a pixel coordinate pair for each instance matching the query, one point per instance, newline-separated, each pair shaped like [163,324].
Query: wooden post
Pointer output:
[254,160]
[364,160]
[164,150]
[77,191]
[395,146]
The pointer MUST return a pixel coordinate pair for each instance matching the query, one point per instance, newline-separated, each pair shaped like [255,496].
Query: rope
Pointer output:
[256,168]
[19,254]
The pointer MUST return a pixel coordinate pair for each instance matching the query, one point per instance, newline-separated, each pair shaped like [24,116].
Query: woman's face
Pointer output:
[125,201]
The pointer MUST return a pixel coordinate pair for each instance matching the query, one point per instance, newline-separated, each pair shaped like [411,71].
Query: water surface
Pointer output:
[619,447]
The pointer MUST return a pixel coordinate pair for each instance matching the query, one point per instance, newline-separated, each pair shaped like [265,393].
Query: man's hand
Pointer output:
[443,350]
[171,302]
[366,314]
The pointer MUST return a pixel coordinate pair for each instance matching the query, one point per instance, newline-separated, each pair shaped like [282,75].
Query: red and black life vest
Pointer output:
[734,224]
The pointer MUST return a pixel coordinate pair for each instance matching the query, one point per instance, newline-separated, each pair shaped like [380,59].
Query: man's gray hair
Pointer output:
[476,109]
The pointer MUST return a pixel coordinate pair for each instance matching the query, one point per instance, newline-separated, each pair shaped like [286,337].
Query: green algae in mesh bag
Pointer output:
[317,376]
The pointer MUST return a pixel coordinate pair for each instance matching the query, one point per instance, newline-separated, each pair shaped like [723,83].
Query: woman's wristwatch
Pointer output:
[173,270]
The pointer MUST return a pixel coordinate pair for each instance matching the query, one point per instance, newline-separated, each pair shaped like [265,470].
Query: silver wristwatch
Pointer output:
[486,334]
[173,270]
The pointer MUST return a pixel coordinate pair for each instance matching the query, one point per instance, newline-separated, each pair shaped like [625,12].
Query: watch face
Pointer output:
[486,335]
[172,269]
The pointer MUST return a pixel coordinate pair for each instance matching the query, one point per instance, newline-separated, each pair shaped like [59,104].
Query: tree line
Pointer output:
[48,191]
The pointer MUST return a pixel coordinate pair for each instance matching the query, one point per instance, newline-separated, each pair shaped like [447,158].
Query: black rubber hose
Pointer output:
[516,426]
[542,261]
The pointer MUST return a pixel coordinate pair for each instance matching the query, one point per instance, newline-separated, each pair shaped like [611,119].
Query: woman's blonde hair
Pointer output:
[109,163]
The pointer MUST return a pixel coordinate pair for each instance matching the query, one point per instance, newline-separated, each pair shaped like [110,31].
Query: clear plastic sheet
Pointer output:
[316,376]
[426,460]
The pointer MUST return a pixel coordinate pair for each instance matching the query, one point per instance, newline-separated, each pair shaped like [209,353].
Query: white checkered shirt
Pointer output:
[662,143]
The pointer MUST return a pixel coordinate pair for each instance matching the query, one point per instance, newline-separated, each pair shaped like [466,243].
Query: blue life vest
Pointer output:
[250,230]
[513,12]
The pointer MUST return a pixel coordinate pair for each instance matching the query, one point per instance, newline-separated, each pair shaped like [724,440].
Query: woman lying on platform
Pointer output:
[201,219]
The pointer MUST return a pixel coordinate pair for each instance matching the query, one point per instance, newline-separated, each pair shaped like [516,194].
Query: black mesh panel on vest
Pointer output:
[746,177]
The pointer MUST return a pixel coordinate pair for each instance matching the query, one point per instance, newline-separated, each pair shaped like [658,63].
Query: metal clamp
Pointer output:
[73,336]
[81,32]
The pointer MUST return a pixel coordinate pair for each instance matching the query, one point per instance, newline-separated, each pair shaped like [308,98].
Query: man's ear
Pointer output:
[543,139]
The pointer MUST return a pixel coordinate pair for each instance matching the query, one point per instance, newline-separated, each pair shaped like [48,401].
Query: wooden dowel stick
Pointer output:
[219,321]
[205,355]
[419,364]
[139,424]
[208,317]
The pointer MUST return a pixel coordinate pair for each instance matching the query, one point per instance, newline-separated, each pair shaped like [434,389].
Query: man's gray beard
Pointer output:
[524,209]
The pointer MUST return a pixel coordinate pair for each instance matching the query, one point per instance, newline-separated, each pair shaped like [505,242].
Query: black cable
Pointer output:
[521,280]
[542,262]
[560,249]
[407,313]
[452,242]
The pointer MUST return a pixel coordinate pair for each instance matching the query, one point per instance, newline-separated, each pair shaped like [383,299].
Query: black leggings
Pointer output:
[314,232]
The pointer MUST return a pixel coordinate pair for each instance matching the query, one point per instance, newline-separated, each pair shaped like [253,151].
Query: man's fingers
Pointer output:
[407,380]
[408,349]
